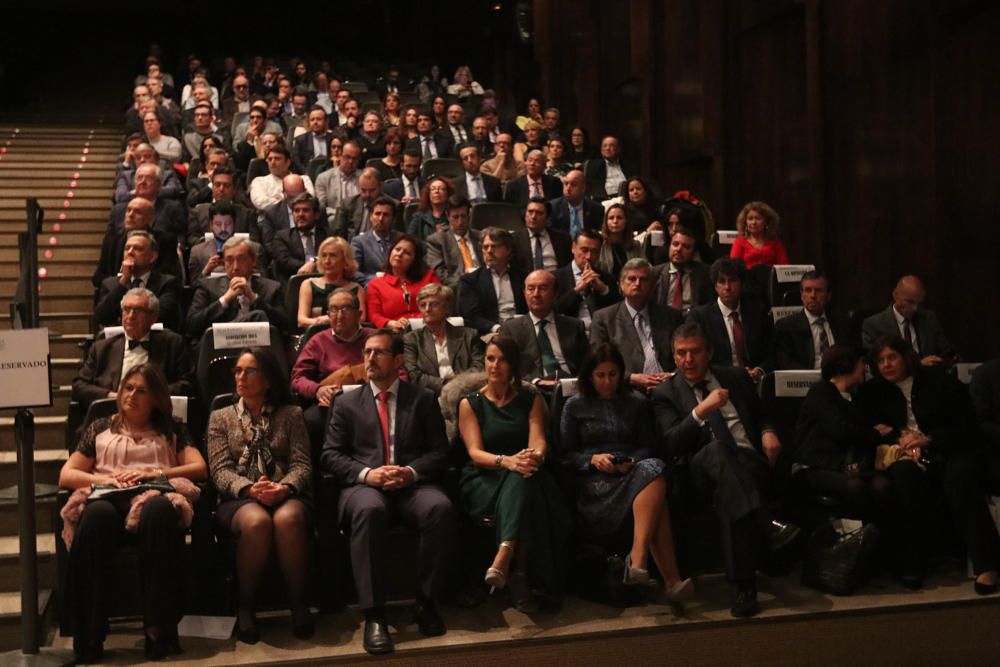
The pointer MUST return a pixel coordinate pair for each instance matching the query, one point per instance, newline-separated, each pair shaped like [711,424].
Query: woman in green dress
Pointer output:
[503,427]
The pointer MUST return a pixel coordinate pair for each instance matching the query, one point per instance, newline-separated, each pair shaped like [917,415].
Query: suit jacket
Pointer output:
[756,332]
[985,392]
[350,216]
[524,255]
[169,219]
[491,184]
[613,324]
[572,341]
[275,218]
[930,334]
[518,192]
[102,370]
[702,290]
[287,253]
[673,401]
[593,214]
[166,288]
[303,153]
[445,257]
[793,340]
[477,299]
[113,251]
[465,350]
[199,257]
[199,223]
[368,254]
[206,309]
[939,402]
[832,432]
[328,185]
[443,141]
[394,187]
[354,439]
[568,301]
[597,173]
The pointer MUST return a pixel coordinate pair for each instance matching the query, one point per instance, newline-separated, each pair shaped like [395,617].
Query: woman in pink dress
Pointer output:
[757,243]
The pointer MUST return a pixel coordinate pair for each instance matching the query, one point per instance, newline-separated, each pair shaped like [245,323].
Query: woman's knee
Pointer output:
[291,516]
[252,521]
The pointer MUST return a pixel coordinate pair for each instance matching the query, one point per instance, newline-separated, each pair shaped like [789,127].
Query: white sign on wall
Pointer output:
[25,372]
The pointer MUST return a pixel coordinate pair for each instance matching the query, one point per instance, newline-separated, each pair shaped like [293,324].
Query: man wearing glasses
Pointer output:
[504,165]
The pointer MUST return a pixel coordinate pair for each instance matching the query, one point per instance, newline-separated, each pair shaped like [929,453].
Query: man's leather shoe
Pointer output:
[745,603]
[377,638]
[782,534]
[429,621]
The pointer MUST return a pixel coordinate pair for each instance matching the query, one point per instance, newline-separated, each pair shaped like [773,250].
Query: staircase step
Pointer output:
[10,568]
[10,619]
[61,395]
[50,433]
[53,302]
[66,322]
[48,462]
[45,510]
[64,252]
[68,346]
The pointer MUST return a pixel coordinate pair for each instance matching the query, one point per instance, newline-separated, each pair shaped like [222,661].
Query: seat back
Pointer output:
[314,167]
[292,296]
[784,284]
[408,212]
[782,394]
[442,166]
[496,214]
[214,369]
[310,331]
[354,86]
[257,167]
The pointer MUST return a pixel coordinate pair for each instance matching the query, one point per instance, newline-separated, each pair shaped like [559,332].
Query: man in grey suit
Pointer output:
[457,250]
[238,296]
[338,184]
[474,185]
[639,327]
[371,249]
[553,345]
[683,283]
[354,214]
[918,326]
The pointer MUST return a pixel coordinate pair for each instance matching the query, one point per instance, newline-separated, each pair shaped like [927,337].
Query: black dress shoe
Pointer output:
[88,654]
[782,534]
[304,630]
[984,589]
[249,634]
[745,602]
[913,582]
[156,649]
[172,640]
[429,621]
[377,638]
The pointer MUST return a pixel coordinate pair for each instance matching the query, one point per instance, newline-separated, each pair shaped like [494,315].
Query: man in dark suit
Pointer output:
[474,185]
[552,345]
[918,326]
[238,296]
[315,142]
[406,189]
[606,173]
[137,270]
[371,249]
[537,245]
[582,289]
[493,293]
[683,283]
[206,255]
[353,217]
[278,215]
[535,182]
[386,446]
[573,211]
[639,327]
[712,415]
[139,215]
[169,218]
[223,192]
[455,125]
[107,358]
[801,340]
[431,144]
[294,250]
[737,324]
[481,137]
[455,251]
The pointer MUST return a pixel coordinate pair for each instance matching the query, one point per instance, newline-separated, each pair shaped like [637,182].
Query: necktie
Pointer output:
[539,261]
[536,189]
[136,282]
[677,291]
[310,245]
[132,344]
[824,341]
[716,423]
[907,333]
[244,304]
[738,340]
[574,222]
[427,149]
[651,365]
[463,247]
[383,420]
[383,248]
[412,193]
[548,357]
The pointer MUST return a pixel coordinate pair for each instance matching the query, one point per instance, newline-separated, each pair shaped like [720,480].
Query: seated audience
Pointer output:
[371,248]
[684,282]
[574,211]
[109,359]
[392,297]
[268,190]
[202,124]
[371,138]
[141,443]
[138,270]
[138,215]
[165,146]
[354,215]
[907,318]
[581,288]
[206,254]
[533,184]
[551,345]
[152,181]
[439,350]
[801,340]
[730,461]
[407,186]
[430,216]
[278,216]
[456,125]
[473,184]
[537,245]
[606,174]
[737,324]
[642,206]
[555,161]
[619,241]
[503,166]
[579,151]
[640,327]
[757,239]
[431,142]
[464,84]
[455,250]
[606,440]
[481,138]
[493,293]
[533,140]
[199,179]
[386,448]
[933,426]
[336,263]
[390,165]
[259,457]
[293,250]
[315,142]
[239,295]
[503,428]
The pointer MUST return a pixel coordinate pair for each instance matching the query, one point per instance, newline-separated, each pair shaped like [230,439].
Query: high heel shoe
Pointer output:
[985,588]
[634,576]
[495,578]
[680,592]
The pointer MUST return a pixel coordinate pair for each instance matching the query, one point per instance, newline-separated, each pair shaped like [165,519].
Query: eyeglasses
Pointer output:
[341,309]
[128,310]
[248,372]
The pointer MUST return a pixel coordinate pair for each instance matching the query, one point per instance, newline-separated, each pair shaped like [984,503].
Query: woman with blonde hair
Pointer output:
[336,261]
[757,241]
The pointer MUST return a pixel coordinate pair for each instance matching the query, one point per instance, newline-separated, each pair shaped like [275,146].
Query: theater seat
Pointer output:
[442,166]
[495,214]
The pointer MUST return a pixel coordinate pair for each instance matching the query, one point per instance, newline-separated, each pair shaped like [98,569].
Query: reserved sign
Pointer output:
[25,373]
[229,335]
[417,323]
[727,236]
[794,384]
[791,273]
[111,332]
[180,406]
[569,386]
[781,312]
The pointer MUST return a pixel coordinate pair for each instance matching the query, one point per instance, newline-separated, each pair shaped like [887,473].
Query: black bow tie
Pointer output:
[132,344]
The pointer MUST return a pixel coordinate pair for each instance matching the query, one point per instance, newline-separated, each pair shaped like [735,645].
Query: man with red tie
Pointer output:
[386,446]
[684,283]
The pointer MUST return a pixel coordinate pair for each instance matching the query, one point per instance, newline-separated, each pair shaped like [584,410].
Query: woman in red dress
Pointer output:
[757,243]
[392,298]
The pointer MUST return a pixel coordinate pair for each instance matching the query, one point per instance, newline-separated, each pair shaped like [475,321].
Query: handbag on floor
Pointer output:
[838,556]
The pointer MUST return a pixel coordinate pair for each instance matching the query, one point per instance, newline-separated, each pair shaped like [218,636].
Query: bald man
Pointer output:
[139,215]
[573,211]
[353,218]
[917,325]
[278,216]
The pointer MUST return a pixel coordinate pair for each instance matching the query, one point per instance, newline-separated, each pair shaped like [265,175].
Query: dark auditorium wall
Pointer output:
[872,127]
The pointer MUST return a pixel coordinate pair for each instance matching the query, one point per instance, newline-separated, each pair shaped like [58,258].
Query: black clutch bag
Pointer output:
[116,493]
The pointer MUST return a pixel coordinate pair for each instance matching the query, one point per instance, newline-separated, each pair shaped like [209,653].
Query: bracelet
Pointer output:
[499,461]
[159,472]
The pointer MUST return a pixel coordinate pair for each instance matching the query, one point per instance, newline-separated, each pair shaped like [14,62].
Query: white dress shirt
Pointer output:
[474,186]
[505,296]
[614,178]
[548,251]
[133,358]
[445,371]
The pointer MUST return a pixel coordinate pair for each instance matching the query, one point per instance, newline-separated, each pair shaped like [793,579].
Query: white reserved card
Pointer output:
[794,384]
[229,335]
